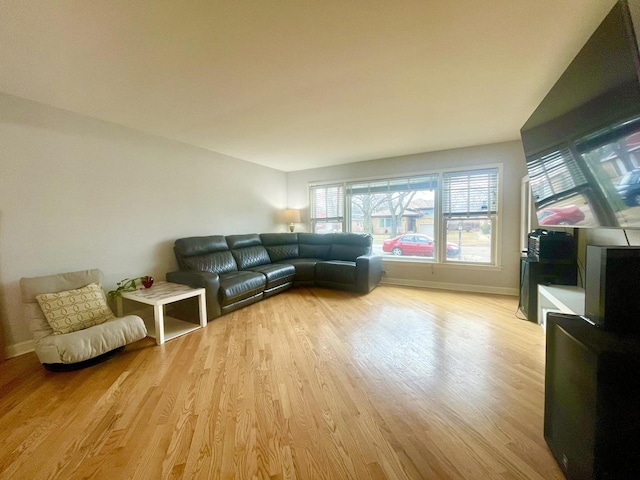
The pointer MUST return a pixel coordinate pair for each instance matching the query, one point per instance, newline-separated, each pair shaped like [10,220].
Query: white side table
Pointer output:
[559,298]
[160,295]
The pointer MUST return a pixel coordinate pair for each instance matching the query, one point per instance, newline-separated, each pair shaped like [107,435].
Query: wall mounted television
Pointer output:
[582,143]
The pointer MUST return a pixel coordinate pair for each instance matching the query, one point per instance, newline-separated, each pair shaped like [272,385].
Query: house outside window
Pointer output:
[446,216]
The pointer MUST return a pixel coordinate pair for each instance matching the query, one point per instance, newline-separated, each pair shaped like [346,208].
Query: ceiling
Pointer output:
[297,84]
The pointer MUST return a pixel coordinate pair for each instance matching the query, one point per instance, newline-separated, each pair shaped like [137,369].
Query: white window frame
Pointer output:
[494,206]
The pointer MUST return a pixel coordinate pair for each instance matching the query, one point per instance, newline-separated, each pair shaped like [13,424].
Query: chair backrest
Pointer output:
[30,287]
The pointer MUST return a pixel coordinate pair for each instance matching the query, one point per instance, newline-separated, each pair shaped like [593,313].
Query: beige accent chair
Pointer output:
[79,349]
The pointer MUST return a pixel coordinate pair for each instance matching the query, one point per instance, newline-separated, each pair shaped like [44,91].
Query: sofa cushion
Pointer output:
[276,274]
[305,268]
[349,246]
[279,253]
[236,286]
[217,262]
[280,246]
[347,252]
[247,250]
[336,271]
[190,246]
[312,245]
[250,257]
[72,310]
[204,254]
[243,241]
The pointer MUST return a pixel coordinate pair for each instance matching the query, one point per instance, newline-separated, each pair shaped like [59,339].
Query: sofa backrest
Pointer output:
[314,245]
[248,250]
[349,246]
[280,246]
[204,254]
[220,254]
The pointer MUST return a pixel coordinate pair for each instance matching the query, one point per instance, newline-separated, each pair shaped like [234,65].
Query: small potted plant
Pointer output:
[130,284]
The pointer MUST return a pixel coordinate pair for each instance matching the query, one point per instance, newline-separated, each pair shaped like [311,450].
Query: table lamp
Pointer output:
[291,216]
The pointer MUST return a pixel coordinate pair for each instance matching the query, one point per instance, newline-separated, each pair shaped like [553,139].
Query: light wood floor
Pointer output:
[312,383]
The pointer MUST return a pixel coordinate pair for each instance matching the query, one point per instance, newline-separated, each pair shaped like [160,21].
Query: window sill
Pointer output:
[417,262]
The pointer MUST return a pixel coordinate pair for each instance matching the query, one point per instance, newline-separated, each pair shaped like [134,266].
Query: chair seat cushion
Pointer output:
[85,344]
[236,286]
[276,274]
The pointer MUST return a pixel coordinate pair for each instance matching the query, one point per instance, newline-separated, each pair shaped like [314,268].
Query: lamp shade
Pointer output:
[292,216]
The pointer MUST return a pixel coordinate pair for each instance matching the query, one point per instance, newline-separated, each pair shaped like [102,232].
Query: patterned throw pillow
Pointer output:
[75,310]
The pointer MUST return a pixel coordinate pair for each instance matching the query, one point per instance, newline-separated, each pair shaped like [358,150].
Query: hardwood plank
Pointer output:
[401,383]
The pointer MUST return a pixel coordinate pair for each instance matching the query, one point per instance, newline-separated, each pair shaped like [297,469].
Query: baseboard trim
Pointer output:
[19,349]
[461,287]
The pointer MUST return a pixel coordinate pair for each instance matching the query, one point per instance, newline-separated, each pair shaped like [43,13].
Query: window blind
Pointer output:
[327,203]
[470,193]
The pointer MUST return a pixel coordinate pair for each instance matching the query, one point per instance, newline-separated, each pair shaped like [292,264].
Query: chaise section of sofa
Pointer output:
[350,265]
[238,270]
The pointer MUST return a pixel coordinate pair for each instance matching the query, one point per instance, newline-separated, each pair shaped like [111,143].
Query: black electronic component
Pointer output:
[591,408]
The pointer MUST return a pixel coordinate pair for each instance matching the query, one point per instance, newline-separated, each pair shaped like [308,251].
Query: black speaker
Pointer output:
[612,283]
[533,273]
[592,399]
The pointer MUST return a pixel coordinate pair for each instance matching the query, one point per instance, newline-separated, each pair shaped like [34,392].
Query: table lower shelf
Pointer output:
[173,327]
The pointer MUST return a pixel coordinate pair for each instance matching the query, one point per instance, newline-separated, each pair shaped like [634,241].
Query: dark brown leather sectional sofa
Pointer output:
[239,270]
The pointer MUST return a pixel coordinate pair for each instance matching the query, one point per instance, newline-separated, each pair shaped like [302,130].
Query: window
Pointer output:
[469,212]
[390,207]
[386,222]
[448,216]
[327,208]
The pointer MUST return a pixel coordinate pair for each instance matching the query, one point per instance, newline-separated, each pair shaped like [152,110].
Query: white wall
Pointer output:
[504,279]
[79,193]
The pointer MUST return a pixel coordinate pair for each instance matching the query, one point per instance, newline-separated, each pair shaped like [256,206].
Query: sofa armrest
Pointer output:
[368,272]
[208,280]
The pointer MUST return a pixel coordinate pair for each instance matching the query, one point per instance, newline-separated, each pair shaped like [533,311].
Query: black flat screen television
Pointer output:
[582,144]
